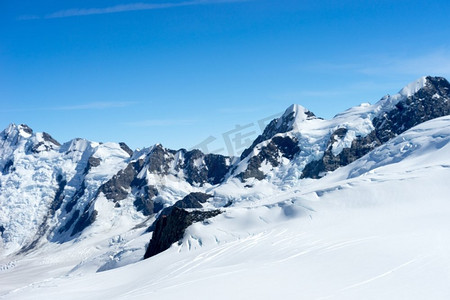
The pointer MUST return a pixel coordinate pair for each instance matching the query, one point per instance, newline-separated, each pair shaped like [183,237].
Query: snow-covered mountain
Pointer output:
[307,198]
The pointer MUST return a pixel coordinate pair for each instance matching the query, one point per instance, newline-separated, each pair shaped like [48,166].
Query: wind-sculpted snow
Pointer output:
[428,139]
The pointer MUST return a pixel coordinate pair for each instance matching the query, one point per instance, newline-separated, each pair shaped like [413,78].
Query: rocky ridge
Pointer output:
[62,190]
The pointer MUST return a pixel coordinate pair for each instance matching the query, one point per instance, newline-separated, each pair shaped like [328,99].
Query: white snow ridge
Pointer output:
[374,224]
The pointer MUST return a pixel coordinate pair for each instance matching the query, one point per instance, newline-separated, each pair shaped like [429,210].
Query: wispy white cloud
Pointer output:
[84,106]
[160,122]
[432,63]
[239,110]
[28,17]
[436,62]
[93,106]
[73,12]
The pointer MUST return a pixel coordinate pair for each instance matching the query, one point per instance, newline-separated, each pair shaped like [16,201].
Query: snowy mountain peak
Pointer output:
[414,87]
[25,131]
[76,145]
[14,131]
[294,108]
[389,101]
[293,117]
[299,112]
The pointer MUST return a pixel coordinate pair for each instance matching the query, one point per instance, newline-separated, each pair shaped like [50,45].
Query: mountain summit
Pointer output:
[57,193]
[356,198]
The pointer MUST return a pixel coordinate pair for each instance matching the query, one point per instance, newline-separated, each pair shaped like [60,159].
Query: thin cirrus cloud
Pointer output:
[432,63]
[74,12]
[160,122]
[93,106]
[84,106]
[436,62]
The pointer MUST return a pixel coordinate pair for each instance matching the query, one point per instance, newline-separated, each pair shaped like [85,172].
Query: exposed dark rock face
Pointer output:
[59,195]
[87,218]
[69,223]
[54,206]
[217,168]
[197,167]
[126,181]
[278,147]
[92,163]
[170,228]
[8,167]
[193,173]
[211,169]
[26,129]
[48,138]
[125,148]
[432,101]
[193,200]
[79,193]
[329,162]
[276,126]
[48,144]
[159,159]
[144,198]
[117,187]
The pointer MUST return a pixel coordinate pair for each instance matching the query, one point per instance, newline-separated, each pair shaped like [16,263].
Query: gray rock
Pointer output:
[125,148]
[87,218]
[117,187]
[48,138]
[432,101]
[193,200]
[278,147]
[170,228]
[276,126]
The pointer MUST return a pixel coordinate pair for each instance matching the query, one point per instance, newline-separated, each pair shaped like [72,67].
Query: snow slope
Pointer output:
[378,228]
[41,177]
[325,145]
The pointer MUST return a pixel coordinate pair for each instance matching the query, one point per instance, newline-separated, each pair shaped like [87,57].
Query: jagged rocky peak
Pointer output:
[159,159]
[125,148]
[430,85]
[436,86]
[414,86]
[295,114]
[14,132]
[430,100]
[22,136]
[422,100]
[290,120]
[76,145]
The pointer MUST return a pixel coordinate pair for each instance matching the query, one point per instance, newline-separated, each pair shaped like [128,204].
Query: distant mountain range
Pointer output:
[352,206]
[53,193]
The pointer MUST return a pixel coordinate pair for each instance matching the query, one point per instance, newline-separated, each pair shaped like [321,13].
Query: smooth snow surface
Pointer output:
[378,228]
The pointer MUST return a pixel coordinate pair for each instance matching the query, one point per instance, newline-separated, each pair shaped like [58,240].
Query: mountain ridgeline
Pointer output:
[58,192]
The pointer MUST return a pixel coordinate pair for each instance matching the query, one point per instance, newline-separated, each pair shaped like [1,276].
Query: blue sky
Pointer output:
[179,72]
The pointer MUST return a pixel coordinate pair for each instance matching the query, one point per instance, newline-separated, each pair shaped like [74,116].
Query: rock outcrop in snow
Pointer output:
[423,100]
[170,228]
[53,192]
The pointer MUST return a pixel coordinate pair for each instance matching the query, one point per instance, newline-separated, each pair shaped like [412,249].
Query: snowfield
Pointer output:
[378,228]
